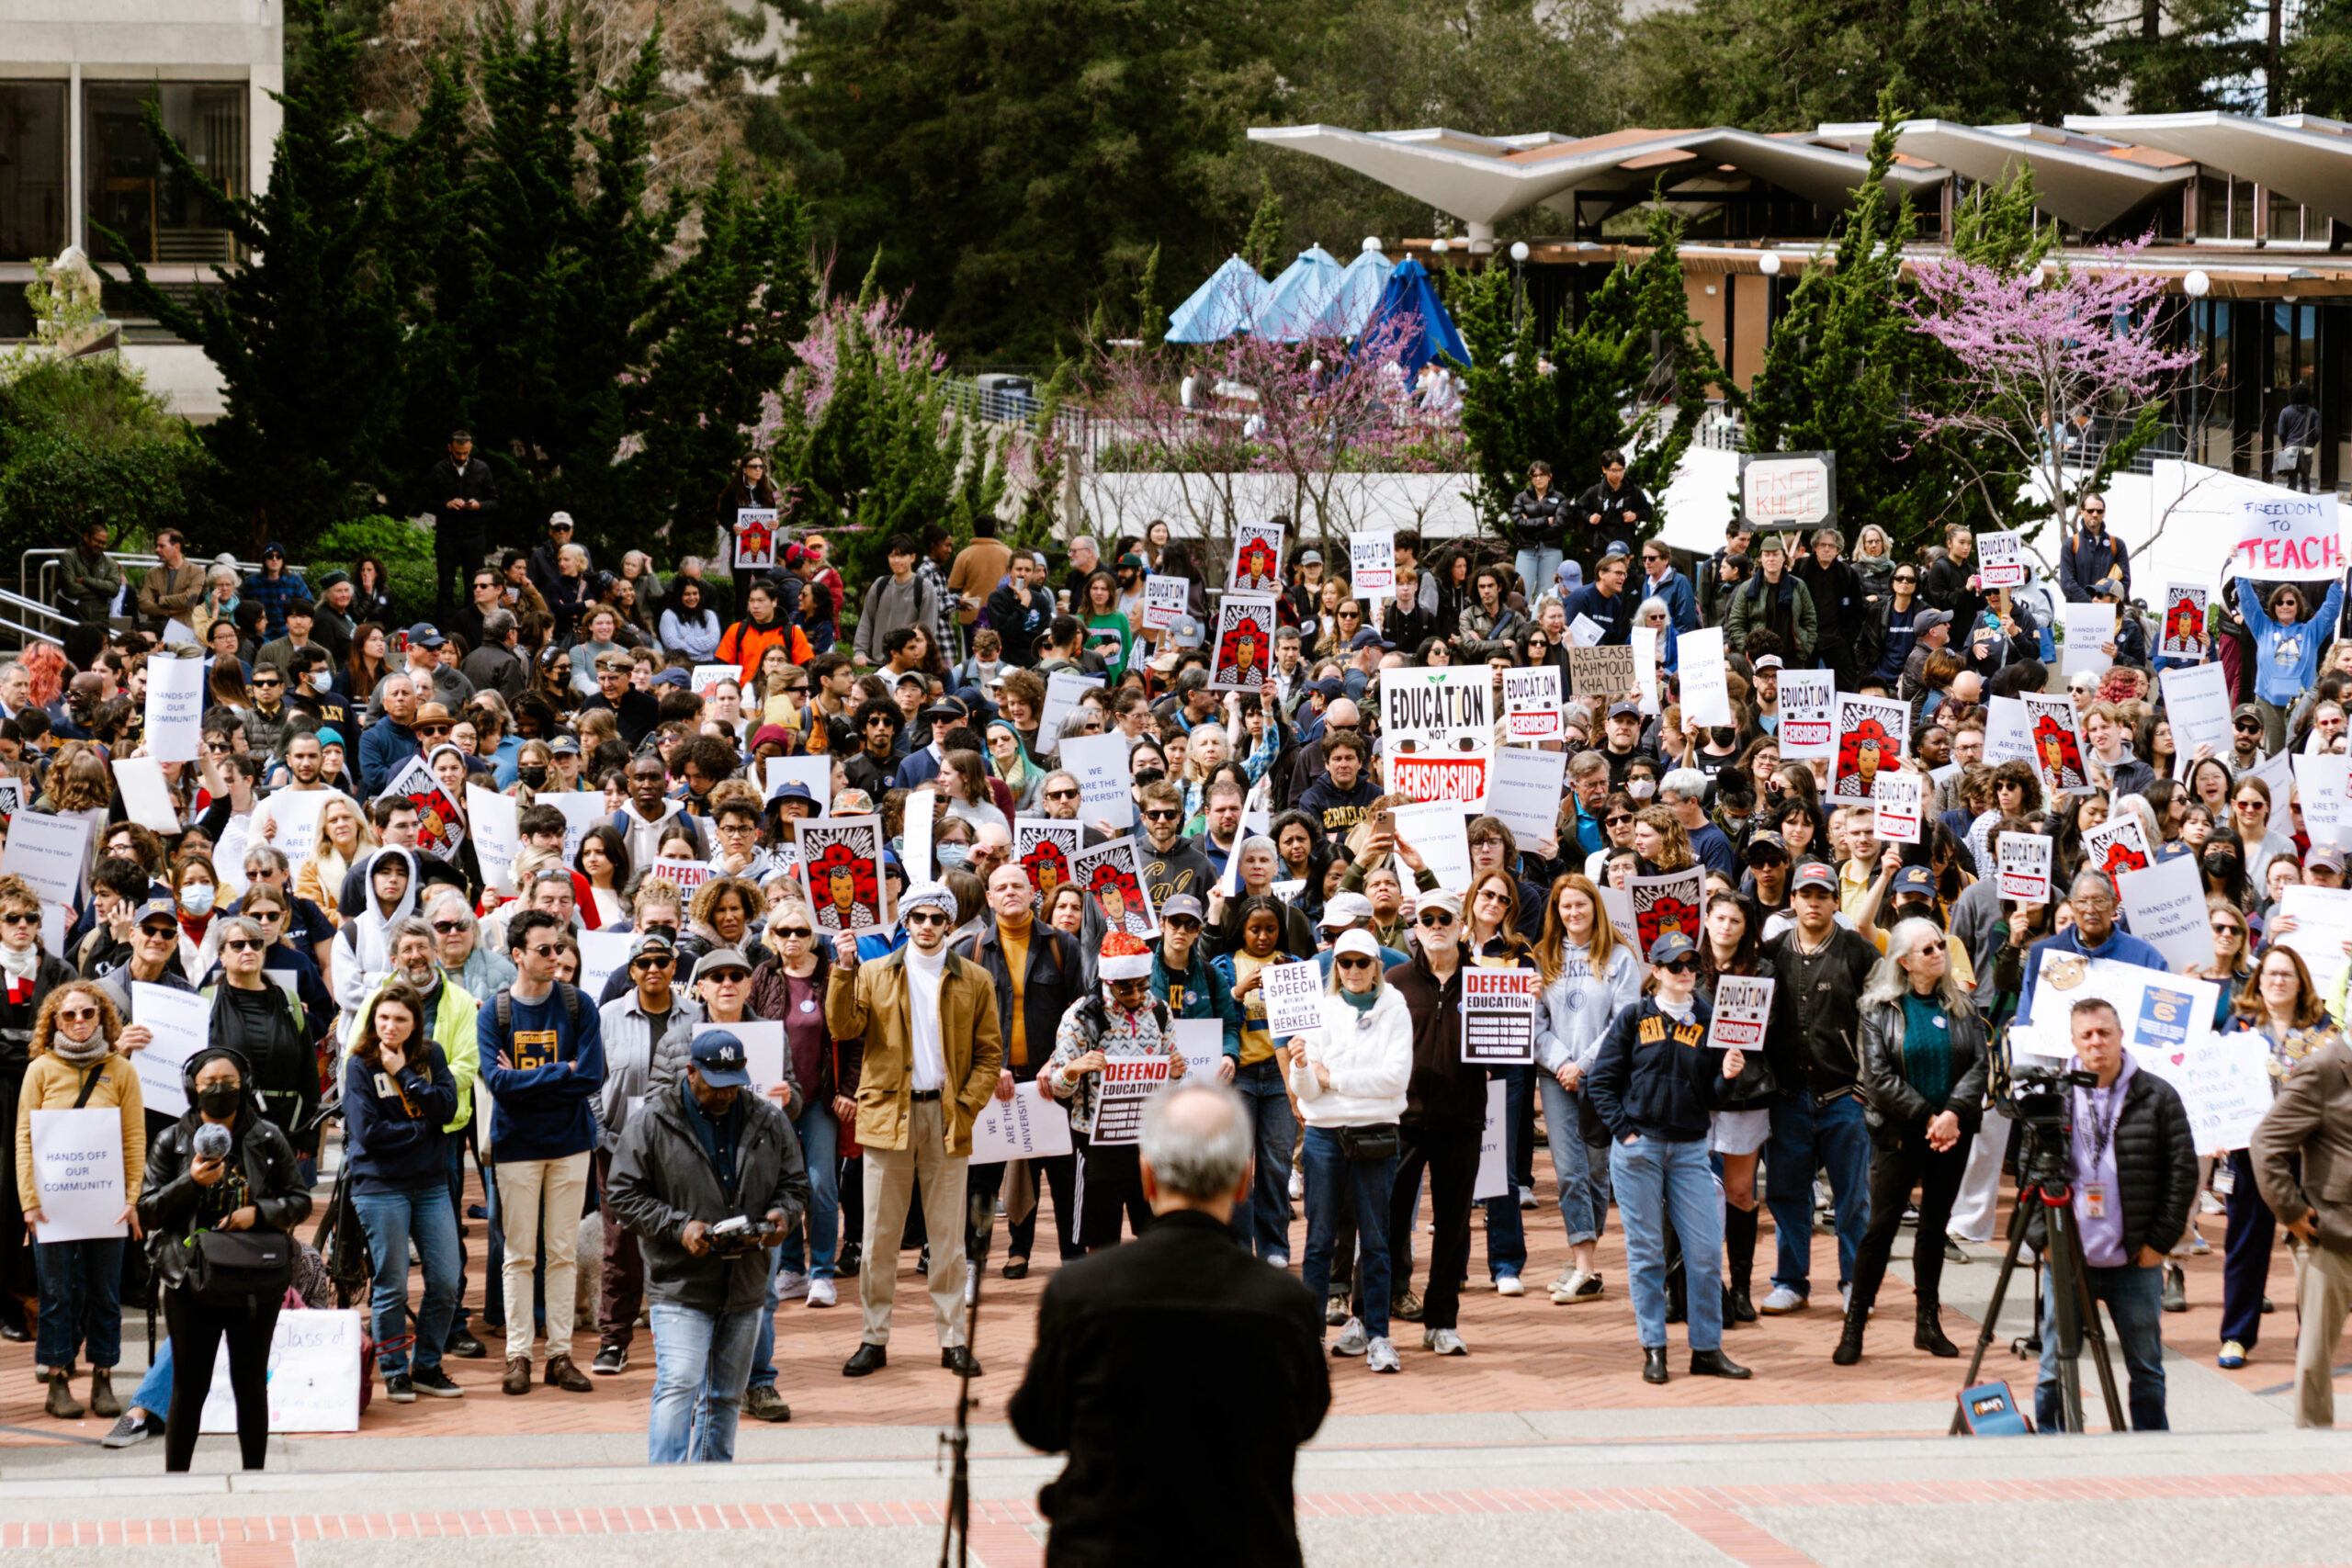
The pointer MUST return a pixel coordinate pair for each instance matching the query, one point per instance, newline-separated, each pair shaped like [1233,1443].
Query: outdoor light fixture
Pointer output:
[1518,250]
[1437,246]
[1768,265]
[2196,283]
[1370,243]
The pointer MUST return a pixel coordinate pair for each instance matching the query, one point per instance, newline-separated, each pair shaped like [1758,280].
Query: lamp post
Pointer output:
[1518,281]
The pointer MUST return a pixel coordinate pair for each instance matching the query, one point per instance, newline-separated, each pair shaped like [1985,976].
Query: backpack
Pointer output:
[502,1007]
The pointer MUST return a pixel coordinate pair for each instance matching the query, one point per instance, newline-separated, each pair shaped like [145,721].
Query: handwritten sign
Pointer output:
[1743,1008]
[2223,1083]
[2283,535]
[1601,671]
[314,1373]
[1788,490]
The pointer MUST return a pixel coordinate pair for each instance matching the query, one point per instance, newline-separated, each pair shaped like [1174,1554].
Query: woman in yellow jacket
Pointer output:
[75,1066]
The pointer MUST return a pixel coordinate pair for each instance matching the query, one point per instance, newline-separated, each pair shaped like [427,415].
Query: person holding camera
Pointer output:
[2134,1180]
[708,1176]
[222,1197]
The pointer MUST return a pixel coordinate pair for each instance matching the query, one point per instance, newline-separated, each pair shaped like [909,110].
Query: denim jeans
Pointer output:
[1330,1175]
[393,1221]
[1263,1224]
[1806,1137]
[1658,1183]
[459,1143]
[1581,1169]
[1536,567]
[80,1301]
[2135,1298]
[764,1342]
[154,1394]
[813,1243]
[1505,1232]
[701,1362]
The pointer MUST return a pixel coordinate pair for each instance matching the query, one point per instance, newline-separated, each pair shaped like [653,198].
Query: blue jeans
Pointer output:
[460,1141]
[392,1220]
[1806,1137]
[1583,1175]
[1658,1183]
[1330,1174]
[762,1344]
[80,1301]
[1536,567]
[813,1243]
[2135,1298]
[154,1394]
[1263,1224]
[1505,1232]
[701,1362]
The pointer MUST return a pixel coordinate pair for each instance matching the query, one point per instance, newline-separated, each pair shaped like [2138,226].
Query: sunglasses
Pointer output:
[792,930]
[1061,795]
[1355,962]
[239,944]
[652,961]
[20,919]
[1681,966]
[2247,728]
[445,927]
[1904,577]
[926,917]
[546,952]
[1181,922]
[1437,918]
[76,1015]
[1162,815]
[159,931]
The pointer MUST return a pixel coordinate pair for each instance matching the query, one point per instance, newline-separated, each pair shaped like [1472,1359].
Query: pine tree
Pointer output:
[1262,246]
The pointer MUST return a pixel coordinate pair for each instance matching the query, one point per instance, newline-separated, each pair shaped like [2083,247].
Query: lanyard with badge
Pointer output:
[2095,1193]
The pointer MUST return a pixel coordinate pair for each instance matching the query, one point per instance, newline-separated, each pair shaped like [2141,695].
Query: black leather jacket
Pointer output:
[167,1204]
[1889,1103]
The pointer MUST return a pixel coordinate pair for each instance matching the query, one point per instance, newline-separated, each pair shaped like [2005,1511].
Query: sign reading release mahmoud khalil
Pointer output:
[1438,728]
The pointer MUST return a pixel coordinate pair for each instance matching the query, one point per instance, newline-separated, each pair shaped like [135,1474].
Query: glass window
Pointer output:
[128,187]
[2286,219]
[32,169]
[2241,211]
[2213,207]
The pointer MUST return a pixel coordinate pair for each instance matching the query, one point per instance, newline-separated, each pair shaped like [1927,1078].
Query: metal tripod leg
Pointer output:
[2066,1252]
[1987,1332]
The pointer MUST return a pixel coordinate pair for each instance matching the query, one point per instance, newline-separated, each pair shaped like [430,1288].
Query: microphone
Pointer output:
[212,1142]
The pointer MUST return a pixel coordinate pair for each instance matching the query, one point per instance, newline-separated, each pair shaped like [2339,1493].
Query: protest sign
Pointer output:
[1063,689]
[14,797]
[2026,860]
[146,799]
[291,817]
[1531,706]
[817,773]
[1743,1008]
[1585,632]
[1105,796]
[315,1365]
[1601,671]
[2277,772]
[2286,537]
[1788,490]
[1668,903]
[1165,600]
[1031,1125]
[1618,904]
[440,826]
[1112,875]
[1201,1042]
[2223,1082]
[1897,798]
[228,855]
[78,1180]
[2319,787]
[2057,737]
[2090,630]
[1707,693]
[2118,845]
[582,809]
[763,1052]
[1256,566]
[1438,731]
[1243,653]
[2184,623]
[1871,735]
[601,953]
[840,872]
[1808,713]
[1439,834]
[2007,737]
[1045,848]
[2197,700]
[686,875]
[1372,561]
[180,1024]
[705,679]
[1643,640]
[2156,1008]
[1128,1083]
[2164,907]
[2323,918]
[1494,1168]
[175,717]
[1524,793]
[496,838]
[1498,1016]
[1294,997]
[2000,561]
[754,538]
[51,854]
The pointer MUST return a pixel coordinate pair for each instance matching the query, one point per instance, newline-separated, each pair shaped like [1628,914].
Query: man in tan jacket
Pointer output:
[932,1048]
[2312,1118]
[171,591]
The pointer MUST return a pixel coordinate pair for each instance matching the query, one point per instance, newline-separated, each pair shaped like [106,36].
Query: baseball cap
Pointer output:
[678,678]
[1341,910]
[1627,708]
[1310,558]
[1774,847]
[917,676]
[945,710]
[1449,902]
[795,790]
[158,909]
[565,746]
[1924,619]
[2331,858]
[1182,903]
[558,520]
[1769,661]
[719,958]
[425,634]
[1367,639]
[1131,561]
[1330,687]
[1671,947]
[1915,879]
[1813,873]
[647,941]
[718,1057]
[1359,943]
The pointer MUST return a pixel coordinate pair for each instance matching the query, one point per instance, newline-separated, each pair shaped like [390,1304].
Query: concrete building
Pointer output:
[76,164]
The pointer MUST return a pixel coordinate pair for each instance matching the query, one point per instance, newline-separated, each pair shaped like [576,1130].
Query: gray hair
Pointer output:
[1653,605]
[1889,980]
[2092,876]
[1196,1139]
[245,927]
[407,926]
[227,574]
[1074,722]
[270,857]
[496,624]
[443,894]
[1689,783]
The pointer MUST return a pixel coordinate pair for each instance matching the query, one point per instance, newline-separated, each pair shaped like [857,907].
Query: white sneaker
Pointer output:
[971,1285]
[822,1292]
[1443,1342]
[1782,1299]
[2208,1202]
[1279,1259]
[1527,1197]
[1508,1285]
[1352,1338]
[791,1287]
[1380,1356]
[1297,1186]
[1576,1285]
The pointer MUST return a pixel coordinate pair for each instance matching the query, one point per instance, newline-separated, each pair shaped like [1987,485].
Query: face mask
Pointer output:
[321,682]
[220,1100]
[196,898]
[2222,865]
[1724,738]
[1641,789]
[1149,775]
[535,777]
[952,855]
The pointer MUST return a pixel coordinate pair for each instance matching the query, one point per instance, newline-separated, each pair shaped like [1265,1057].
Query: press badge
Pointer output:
[2225,1178]
[384,1088]
[2094,1200]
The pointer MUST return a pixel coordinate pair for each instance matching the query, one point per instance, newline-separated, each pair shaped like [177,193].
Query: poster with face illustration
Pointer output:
[1245,642]
[841,872]
[440,826]
[754,538]
[1668,903]
[1870,733]
[1257,559]
[2057,737]
[2116,846]
[2184,622]
[1112,875]
[1045,848]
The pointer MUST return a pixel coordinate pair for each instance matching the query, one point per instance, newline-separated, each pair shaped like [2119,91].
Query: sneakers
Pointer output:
[762,1403]
[517,1380]
[1279,1259]
[399,1389]
[132,1430]
[465,1347]
[1526,1198]
[2210,1202]
[1443,1342]
[1335,1310]
[1955,1252]
[1352,1338]
[1574,1286]
[1508,1285]
[791,1286]
[2233,1356]
[1404,1306]
[434,1383]
[611,1360]
[2175,1289]
[1782,1299]
[563,1374]
[1297,1186]
[822,1292]
[1380,1356]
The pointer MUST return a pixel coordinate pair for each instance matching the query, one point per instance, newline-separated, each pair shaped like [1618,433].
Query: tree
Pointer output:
[2180,55]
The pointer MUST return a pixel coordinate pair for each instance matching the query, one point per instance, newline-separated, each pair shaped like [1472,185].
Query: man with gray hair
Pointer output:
[1684,793]
[495,666]
[1177,1342]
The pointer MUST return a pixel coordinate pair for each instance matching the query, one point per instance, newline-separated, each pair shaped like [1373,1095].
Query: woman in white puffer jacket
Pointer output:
[1590,977]
[1349,1075]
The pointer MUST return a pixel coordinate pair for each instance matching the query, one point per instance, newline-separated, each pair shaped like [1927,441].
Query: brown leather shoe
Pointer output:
[518,1375]
[563,1374]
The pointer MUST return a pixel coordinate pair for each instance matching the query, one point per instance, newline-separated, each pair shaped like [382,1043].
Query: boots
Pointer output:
[1849,1338]
[61,1404]
[1929,1336]
[102,1402]
[1677,1292]
[1739,1254]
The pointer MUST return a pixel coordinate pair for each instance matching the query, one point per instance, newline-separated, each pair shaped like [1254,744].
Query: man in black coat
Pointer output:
[1179,1342]
[463,495]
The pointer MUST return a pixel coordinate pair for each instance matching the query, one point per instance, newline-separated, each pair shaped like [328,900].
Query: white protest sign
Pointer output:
[1105,796]
[1165,600]
[2089,628]
[146,799]
[2319,786]
[314,1373]
[2277,771]
[1372,561]
[602,953]
[1897,796]
[2164,907]
[2323,924]
[2000,561]
[582,809]
[2007,736]
[181,1025]
[2116,846]
[754,538]
[1525,793]
[1619,905]
[1031,1125]
[1294,997]
[293,818]
[1643,642]
[49,853]
[1743,1008]
[1127,1083]
[497,841]
[1438,732]
[77,1174]
[1808,713]
[1787,490]
[1201,1042]
[1257,564]
[1494,1168]
[1707,693]
[916,823]
[2025,860]
[1531,706]
[1439,834]
[1498,1015]
[817,773]
[2223,1082]
[763,1052]
[2156,1008]
[229,854]
[175,709]
[1063,688]
[2291,537]
[2197,700]
[1585,632]
[705,678]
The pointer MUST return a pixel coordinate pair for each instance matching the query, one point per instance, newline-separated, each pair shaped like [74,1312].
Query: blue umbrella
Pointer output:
[1409,291]
[1221,307]
[1297,302]
[1358,293]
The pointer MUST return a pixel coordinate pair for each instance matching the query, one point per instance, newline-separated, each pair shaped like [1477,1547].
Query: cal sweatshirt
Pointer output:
[547,1093]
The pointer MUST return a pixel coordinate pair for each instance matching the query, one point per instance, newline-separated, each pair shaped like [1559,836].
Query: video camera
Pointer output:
[732,1236]
[2037,1102]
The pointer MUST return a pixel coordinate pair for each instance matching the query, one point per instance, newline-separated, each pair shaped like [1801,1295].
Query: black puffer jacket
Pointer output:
[2155,1165]
[1889,1103]
[167,1202]
[1655,1076]
[1446,1094]
[1538,522]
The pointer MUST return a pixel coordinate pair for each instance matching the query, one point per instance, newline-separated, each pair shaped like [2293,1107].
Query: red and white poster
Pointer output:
[1871,734]
[2185,622]
[754,538]
[841,871]
[1668,903]
[1438,731]
[1245,642]
[2057,737]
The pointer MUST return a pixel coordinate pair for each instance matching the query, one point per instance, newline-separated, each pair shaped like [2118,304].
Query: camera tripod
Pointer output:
[2076,1314]
[957,1540]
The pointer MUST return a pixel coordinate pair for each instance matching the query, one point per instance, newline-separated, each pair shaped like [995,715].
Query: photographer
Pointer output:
[2134,1178]
[698,1161]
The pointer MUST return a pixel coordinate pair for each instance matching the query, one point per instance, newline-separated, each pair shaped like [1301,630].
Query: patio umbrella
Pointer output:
[1221,307]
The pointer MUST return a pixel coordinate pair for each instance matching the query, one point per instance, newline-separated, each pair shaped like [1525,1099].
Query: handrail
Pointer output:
[19,602]
[37,587]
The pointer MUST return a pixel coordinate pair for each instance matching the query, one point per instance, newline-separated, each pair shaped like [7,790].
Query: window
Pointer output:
[159,216]
[32,169]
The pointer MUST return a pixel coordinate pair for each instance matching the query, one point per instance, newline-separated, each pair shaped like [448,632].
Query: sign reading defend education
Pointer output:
[1128,1083]
[1498,1016]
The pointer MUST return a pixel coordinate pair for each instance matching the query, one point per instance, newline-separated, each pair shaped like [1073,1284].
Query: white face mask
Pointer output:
[321,682]
[1640,789]
[196,898]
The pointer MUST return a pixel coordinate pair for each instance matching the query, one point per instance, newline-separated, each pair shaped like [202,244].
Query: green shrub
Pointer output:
[82,437]
[405,547]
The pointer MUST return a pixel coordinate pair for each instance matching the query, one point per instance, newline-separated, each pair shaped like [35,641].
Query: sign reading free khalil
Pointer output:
[1438,726]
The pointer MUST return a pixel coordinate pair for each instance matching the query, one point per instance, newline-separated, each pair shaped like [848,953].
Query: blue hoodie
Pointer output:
[2286,658]
[395,1122]
[547,1093]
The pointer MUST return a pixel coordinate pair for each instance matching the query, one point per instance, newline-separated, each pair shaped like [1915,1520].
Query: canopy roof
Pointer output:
[1409,292]
[1220,307]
